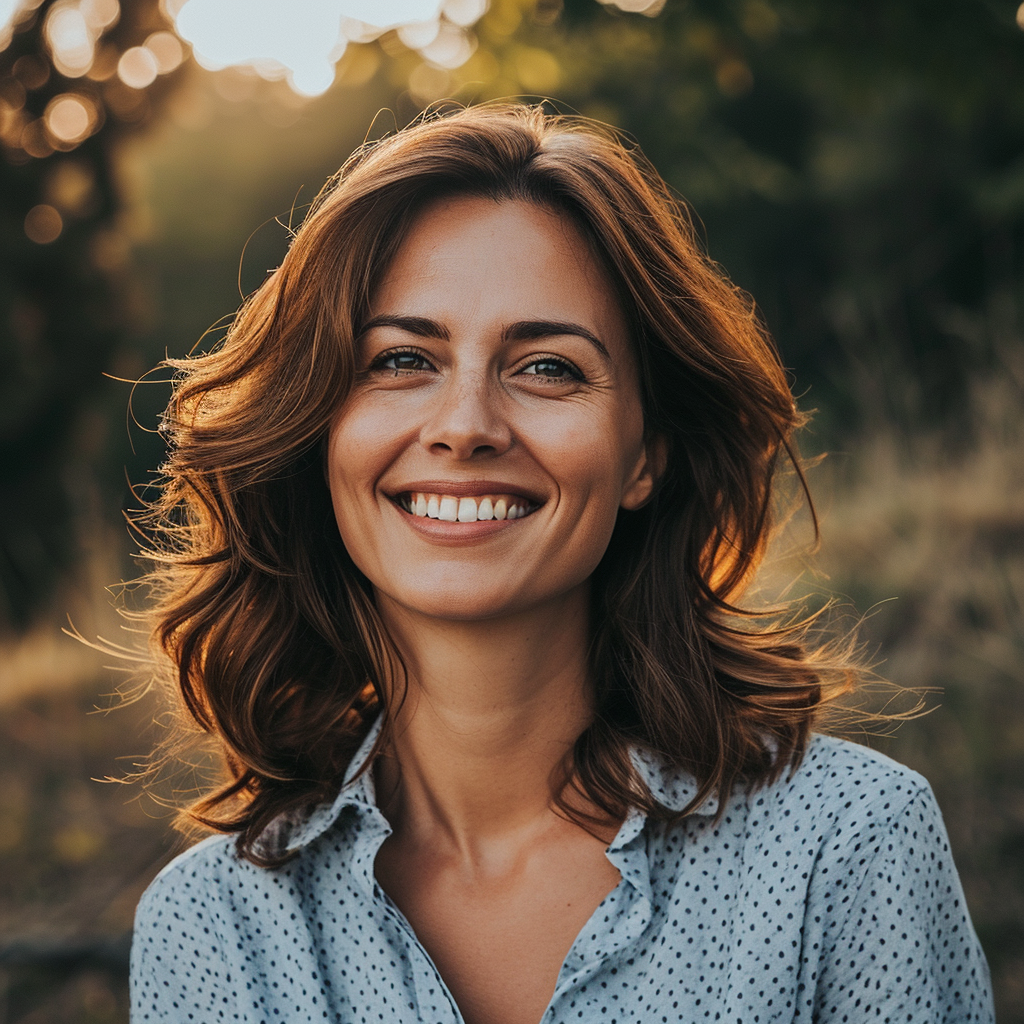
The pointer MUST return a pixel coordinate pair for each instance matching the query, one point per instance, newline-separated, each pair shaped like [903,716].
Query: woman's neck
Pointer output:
[492,709]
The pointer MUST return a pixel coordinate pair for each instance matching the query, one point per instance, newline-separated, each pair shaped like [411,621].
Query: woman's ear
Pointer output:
[647,474]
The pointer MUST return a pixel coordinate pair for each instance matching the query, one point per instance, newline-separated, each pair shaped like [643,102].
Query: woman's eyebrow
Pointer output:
[418,325]
[525,330]
[521,330]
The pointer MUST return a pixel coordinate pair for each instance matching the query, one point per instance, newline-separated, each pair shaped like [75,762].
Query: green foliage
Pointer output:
[858,167]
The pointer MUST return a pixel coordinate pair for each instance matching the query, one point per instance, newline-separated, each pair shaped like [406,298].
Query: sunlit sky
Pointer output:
[7,9]
[298,40]
[303,39]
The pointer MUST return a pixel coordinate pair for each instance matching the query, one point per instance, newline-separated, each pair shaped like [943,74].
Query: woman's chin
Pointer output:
[466,604]
[458,606]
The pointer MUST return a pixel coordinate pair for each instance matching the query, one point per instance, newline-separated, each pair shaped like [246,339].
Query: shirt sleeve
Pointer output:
[178,969]
[905,949]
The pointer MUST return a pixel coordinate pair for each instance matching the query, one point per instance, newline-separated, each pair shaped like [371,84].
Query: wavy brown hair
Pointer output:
[270,631]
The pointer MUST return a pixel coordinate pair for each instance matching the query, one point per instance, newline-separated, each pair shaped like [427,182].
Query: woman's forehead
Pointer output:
[511,257]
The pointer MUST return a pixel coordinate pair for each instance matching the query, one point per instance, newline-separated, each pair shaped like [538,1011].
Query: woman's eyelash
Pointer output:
[408,354]
[570,371]
[415,361]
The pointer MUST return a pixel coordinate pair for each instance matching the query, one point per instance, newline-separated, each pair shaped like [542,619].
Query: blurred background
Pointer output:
[856,165]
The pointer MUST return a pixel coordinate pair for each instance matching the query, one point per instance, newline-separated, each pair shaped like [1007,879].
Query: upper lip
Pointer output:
[468,489]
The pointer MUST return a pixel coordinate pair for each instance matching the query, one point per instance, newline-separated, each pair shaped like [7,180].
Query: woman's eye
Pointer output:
[554,369]
[401,362]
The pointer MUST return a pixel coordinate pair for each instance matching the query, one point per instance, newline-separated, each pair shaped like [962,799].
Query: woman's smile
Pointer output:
[457,513]
[468,509]
[494,428]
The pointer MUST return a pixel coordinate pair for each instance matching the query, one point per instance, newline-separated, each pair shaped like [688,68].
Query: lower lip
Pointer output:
[443,530]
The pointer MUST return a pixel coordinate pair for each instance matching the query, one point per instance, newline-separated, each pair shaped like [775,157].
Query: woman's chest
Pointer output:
[681,957]
[688,929]
[498,942]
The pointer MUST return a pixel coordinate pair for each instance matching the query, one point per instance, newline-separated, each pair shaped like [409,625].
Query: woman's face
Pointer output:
[494,428]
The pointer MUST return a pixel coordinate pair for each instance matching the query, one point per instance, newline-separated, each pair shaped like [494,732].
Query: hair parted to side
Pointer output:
[271,633]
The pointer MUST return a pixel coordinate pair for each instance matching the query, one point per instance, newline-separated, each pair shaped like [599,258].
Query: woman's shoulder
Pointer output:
[830,760]
[849,851]
[840,792]
[208,889]
[215,880]
[200,873]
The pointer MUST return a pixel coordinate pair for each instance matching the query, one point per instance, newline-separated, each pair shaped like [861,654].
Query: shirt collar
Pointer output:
[290,832]
[671,787]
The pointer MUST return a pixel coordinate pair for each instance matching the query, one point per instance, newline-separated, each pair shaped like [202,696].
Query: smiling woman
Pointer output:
[450,548]
[494,375]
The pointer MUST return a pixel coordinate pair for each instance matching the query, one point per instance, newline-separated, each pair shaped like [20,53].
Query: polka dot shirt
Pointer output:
[830,896]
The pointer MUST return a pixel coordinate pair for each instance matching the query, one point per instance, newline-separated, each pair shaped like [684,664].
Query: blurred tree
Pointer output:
[858,165]
[74,78]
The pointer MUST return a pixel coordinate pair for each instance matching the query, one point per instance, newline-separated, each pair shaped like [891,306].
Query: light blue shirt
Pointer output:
[829,896]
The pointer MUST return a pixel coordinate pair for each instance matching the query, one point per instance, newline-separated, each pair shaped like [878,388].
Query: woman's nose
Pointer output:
[468,420]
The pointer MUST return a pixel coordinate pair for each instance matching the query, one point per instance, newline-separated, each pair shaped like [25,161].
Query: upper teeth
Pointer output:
[464,510]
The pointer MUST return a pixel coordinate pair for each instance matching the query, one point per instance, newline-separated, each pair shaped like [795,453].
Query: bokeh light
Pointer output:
[35,139]
[100,14]
[43,224]
[70,118]
[31,71]
[71,29]
[11,13]
[465,12]
[70,38]
[649,7]
[450,48]
[537,69]
[302,40]
[8,9]
[419,33]
[428,83]
[138,67]
[167,50]
[390,13]
[71,188]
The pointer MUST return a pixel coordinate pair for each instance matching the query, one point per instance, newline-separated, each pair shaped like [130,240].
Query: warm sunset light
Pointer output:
[70,119]
[9,9]
[302,40]
[297,40]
